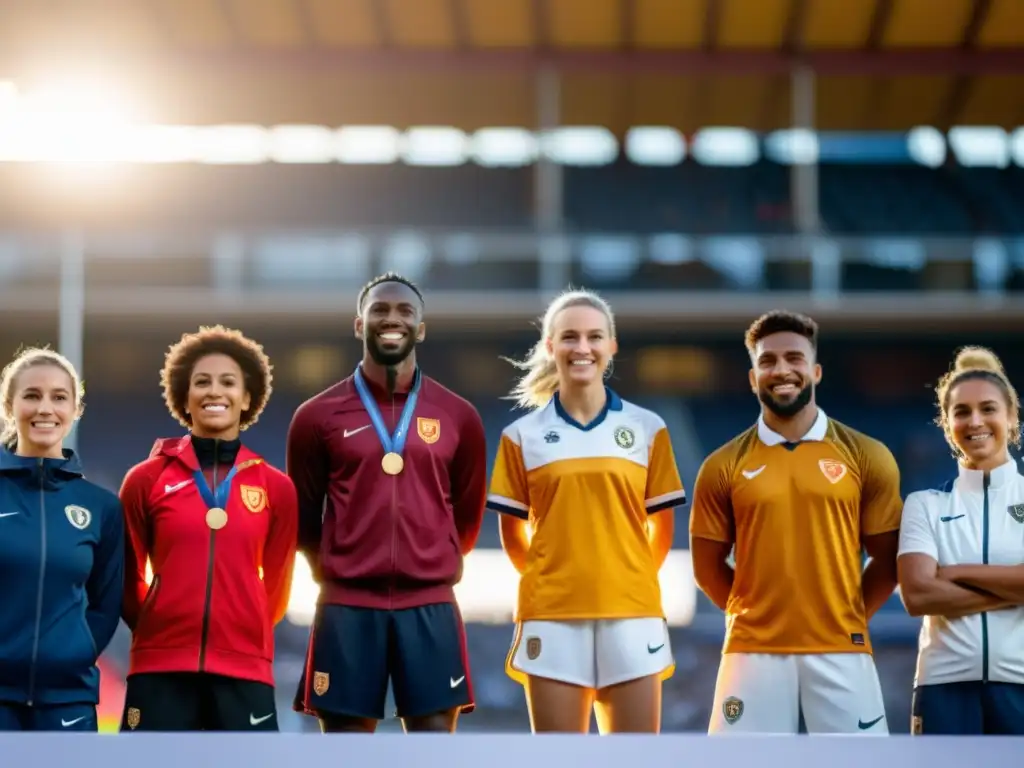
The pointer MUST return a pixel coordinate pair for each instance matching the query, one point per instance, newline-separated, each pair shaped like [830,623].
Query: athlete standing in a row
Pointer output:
[61,554]
[400,462]
[960,562]
[800,497]
[218,524]
[586,485]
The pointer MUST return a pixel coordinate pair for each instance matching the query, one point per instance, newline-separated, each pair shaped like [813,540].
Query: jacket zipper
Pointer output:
[984,560]
[209,571]
[42,581]
[394,523]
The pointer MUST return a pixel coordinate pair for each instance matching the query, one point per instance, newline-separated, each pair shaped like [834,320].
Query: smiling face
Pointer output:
[217,397]
[784,373]
[44,408]
[979,421]
[582,345]
[391,323]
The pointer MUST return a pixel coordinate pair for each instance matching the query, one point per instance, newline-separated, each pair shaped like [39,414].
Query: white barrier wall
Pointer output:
[499,751]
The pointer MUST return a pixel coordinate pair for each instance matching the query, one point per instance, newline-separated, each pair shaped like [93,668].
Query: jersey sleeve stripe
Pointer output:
[664,501]
[506,506]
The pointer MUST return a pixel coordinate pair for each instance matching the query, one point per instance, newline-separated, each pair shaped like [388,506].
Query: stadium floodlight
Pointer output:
[368,144]
[980,146]
[435,146]
[504,147]
[734,147]
[655,145]
[796,146]
[302,144]
[232,145]
[1017,146]
[580,146]
[926,145]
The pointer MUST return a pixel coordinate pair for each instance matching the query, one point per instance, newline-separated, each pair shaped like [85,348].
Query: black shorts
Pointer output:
[197,701]
[353,652]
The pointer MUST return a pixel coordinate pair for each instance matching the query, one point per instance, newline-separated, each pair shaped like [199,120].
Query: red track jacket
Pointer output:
[215,596]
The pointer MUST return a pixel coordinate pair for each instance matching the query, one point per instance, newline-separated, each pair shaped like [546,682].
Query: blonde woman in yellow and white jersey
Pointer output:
[586,483]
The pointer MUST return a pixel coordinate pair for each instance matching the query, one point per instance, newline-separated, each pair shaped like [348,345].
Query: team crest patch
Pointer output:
[624,438]
[833,470]
[1016,512]
[80,517]
[429,430]
[732,709]
[254,498]
[321,682]
[133,717]
[532,648]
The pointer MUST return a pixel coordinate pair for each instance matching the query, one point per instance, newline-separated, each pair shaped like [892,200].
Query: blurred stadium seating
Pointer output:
[254,161]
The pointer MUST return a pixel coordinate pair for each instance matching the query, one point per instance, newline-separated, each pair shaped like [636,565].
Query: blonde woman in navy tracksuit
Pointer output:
[61,554]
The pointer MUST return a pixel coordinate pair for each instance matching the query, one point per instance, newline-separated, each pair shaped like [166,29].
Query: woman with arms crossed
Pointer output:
[61,554]
[960,562]
[586,484]
[218,524]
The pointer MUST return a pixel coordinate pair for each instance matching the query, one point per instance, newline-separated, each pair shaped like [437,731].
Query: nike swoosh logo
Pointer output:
[864,726]
[176,486]
[253,720]
[750,474]
[950,518]
[350,432]
[655,649]
[456,682]
[69,723]
[9,514]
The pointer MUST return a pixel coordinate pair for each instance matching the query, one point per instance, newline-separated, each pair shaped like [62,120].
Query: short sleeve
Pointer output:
[509,493]
[916,533]
[880,504]
[711,508]
[664,486]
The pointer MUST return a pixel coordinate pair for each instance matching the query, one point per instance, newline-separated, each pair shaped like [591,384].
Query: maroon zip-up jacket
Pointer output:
[379,541]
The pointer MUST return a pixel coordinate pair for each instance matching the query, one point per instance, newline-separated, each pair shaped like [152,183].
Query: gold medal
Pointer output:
[216,518]
[392,463]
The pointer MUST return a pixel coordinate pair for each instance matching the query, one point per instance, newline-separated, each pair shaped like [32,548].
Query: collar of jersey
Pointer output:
[975,478]
[69,465]
[612,403]
[815,434]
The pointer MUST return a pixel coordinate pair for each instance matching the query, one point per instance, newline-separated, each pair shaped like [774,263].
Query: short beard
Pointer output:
[790,409]
[390,359]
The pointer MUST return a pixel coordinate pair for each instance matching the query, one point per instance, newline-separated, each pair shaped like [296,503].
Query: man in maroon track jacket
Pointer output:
[390,469]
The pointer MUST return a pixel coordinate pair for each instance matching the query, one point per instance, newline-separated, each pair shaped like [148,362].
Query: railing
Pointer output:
[500,274]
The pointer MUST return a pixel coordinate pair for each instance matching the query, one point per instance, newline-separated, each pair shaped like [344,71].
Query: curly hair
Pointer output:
[182,357]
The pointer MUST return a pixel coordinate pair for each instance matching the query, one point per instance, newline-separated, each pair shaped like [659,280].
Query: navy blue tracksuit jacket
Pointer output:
[61,578]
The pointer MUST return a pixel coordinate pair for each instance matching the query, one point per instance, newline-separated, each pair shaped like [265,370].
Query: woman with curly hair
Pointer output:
[217,525]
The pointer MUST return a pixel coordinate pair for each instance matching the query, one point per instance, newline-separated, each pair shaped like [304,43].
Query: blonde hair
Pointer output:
[32,357]
[973,364]
[540,382]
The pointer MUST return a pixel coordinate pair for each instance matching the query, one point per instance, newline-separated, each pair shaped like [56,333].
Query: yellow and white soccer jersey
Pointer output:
[587,492]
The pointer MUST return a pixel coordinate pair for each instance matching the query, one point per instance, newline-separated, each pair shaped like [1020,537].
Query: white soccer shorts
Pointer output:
[592,654]
[765,693]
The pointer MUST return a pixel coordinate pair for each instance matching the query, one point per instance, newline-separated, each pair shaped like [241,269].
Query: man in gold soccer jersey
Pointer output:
[800,497]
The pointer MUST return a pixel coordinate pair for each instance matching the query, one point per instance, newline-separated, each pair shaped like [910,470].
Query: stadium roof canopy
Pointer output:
[880,64]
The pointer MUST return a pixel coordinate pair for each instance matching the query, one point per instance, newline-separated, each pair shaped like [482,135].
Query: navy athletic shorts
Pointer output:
[354,652]
[968,709]
[59,717]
